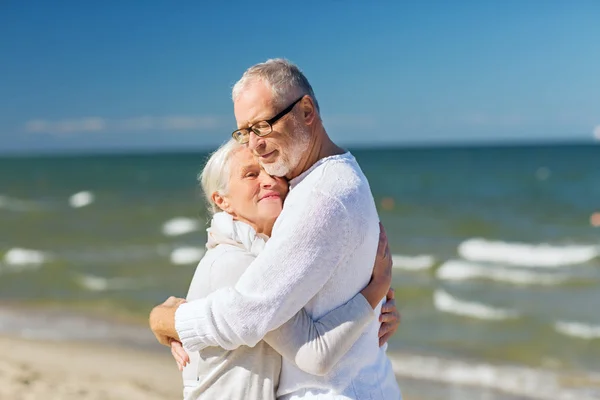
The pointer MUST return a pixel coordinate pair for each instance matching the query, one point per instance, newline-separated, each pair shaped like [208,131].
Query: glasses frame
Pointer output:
[269,122]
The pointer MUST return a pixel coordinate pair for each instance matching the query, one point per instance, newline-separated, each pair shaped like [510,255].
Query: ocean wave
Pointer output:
[19,259]
[180,226]
[186,255]
[112,255]
[522,254]
[81,199]
[413,263]
[578,329]
[520,381]
[59,325]
[101,284]
[19,205]
[444,302]
[458,270]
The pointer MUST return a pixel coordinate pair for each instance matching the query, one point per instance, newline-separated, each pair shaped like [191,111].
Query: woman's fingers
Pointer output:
[179,354]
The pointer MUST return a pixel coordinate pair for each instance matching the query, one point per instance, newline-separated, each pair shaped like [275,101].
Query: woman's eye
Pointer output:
[251,175]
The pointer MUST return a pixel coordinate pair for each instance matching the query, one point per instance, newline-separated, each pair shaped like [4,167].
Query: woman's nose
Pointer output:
[267,180]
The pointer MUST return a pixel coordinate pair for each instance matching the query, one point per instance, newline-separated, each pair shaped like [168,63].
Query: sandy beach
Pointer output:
[32,369]
[50,369]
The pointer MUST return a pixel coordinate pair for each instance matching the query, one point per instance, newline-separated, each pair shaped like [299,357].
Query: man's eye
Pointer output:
[251,175]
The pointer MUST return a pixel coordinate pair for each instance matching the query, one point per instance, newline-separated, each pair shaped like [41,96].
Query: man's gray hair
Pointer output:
[284,78]
[214,177]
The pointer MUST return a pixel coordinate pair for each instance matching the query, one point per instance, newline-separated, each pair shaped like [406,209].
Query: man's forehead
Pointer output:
[254,104]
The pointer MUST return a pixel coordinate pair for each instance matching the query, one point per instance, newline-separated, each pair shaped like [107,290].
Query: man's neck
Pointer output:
[321,147]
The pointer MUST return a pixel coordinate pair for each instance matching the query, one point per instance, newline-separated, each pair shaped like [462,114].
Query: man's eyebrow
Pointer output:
[250,123]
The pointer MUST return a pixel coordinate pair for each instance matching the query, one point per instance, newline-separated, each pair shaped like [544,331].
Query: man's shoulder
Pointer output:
[335,187]
[342,179]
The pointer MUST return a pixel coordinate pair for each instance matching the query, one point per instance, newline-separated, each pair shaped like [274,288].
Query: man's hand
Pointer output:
[381,279]
[390,318]
[382,271]
[162,320]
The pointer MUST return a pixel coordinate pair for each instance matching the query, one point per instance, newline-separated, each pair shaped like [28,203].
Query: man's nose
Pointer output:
[254,141]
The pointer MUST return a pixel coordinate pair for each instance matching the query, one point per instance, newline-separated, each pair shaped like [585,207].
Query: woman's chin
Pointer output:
[271,210]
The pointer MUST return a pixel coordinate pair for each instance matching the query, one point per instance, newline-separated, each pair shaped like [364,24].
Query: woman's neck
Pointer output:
[263,229]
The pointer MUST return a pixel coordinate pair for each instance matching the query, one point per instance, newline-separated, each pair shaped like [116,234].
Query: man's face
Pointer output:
[281,151]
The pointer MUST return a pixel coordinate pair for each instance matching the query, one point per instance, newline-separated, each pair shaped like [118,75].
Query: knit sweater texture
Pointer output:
[320,255]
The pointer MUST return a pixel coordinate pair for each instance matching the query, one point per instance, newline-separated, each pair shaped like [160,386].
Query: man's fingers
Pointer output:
[383,340]
[388,317]
[391,295]
[389,306]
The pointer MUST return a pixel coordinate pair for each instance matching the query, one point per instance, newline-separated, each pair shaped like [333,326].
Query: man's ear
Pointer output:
[309,111]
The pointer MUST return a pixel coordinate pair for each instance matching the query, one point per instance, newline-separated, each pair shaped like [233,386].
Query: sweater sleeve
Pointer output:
[307,245]
[317,346]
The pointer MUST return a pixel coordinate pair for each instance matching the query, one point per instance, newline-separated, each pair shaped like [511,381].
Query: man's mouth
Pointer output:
[267,155]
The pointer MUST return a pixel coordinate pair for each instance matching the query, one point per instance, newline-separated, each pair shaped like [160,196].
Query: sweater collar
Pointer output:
[344,156]
[225,230]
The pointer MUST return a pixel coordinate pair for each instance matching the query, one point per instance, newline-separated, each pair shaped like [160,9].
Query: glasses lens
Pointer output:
[262,128]
[241,136]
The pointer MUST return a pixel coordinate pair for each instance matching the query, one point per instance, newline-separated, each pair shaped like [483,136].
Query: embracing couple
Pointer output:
[289,300]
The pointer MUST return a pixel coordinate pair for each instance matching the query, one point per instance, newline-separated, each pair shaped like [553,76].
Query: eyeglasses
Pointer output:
[262,128]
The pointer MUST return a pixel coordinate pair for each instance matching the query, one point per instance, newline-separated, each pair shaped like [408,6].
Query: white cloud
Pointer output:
[597,132]
[66,126]
[143,123]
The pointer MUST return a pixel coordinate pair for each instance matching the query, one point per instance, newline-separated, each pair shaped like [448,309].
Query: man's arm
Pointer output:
[317,346]
[294,266]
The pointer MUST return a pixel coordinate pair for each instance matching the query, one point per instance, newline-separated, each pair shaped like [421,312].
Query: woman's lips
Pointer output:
[270,196]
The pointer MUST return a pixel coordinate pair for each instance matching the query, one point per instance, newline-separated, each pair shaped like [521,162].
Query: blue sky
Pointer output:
[77,76]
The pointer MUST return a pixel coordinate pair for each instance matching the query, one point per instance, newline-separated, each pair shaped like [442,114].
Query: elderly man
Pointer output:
[321,249]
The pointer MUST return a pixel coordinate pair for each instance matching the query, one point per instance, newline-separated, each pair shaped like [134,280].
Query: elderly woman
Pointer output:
[245,202]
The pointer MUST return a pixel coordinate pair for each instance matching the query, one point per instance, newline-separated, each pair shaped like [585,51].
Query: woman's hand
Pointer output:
[390,318]
[381,279]
[179,354]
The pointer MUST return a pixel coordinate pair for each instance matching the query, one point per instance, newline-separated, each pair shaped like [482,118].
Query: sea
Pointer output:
[496,258]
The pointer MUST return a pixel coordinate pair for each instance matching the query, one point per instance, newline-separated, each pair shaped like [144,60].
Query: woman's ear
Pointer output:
[221,202]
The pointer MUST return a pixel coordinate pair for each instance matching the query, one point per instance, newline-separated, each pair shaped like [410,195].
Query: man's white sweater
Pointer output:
[320,254]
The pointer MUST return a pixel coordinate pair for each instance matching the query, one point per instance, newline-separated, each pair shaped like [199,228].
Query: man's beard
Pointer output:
[289,161]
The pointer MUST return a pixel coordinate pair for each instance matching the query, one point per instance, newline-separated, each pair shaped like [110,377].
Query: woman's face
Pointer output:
[254,196]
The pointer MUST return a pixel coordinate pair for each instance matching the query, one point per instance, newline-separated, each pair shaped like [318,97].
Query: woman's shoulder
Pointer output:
[223,265]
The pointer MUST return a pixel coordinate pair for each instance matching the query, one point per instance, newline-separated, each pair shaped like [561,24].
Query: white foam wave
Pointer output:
[578,329]
[413,263]
[186,255]
[81,199]
[520,381]
[100,284]
[540,255]
[444,302]
[13,204]
[20,259]
[458,270]
[180,226]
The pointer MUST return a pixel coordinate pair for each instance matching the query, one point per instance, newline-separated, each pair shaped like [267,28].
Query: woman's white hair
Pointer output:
[283,77]
[214,177]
